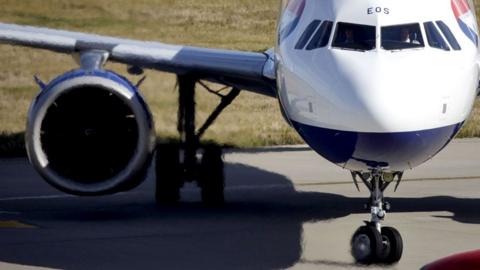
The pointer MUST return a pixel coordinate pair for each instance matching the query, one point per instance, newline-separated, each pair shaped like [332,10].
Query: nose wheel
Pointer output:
[392,245]
[373,243]
[369,246]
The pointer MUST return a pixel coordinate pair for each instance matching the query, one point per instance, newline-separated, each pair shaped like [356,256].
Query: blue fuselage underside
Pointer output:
[361,151]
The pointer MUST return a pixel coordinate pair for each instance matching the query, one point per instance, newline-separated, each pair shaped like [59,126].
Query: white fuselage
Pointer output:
[389,96]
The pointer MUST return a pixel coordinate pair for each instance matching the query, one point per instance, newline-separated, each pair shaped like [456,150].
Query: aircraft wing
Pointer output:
[244,70]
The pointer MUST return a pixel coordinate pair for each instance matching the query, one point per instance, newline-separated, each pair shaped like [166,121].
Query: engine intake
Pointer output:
[90,133]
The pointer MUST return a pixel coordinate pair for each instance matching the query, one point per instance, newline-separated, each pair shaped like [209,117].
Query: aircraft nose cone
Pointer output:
[384,97]
[386,116]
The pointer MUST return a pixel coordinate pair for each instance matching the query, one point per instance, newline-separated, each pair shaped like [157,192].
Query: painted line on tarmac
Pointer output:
[245,187]
[404,180]
[280,186]
[9,213]
[50,197]
[36,198]
[15,224]
[258,187]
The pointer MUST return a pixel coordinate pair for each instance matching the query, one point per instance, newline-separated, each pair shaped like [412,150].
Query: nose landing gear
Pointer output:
[373,243]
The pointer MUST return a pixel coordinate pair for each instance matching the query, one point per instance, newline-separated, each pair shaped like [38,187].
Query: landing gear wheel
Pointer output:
[168,172]
[366,245]
[211,177]
[393,245]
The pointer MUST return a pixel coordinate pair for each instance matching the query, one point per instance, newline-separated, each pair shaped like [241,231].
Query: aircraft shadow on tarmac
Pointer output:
[259,228]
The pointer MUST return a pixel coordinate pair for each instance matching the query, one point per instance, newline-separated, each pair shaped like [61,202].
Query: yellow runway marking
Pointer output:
[14,224]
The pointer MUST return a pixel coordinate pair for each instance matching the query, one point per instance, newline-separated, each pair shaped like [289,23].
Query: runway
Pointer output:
[287,209]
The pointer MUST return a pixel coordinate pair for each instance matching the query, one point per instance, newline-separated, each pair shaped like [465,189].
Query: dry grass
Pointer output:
[241,24]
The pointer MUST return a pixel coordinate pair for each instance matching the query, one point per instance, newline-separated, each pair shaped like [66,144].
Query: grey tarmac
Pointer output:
[287,208]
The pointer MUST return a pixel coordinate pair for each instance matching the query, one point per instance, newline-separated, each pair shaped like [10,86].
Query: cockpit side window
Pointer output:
[356,37]
[307,34]
[399,37]
[320,39]
[449,35]
[435,39]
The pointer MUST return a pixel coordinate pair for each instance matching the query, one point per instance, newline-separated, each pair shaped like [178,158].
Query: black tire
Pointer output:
[393,248]
[211,177]
[168,171]
[366,245]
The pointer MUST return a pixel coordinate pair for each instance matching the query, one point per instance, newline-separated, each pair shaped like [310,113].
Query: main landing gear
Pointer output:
[373,243]
[180,163]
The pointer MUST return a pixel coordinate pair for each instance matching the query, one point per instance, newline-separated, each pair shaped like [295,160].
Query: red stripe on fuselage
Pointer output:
[460,7]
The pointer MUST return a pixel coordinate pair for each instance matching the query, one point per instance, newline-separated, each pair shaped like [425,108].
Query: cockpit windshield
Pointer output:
[357,37]
[399,37]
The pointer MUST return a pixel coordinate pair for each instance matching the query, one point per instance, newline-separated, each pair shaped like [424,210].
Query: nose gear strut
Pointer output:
[373,243]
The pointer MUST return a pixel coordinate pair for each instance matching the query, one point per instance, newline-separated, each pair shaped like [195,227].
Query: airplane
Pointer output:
[376,87]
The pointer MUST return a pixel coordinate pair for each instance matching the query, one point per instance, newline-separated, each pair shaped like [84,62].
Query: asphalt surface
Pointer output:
[287,208]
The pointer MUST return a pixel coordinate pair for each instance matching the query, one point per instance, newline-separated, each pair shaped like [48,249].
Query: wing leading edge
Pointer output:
[245,70]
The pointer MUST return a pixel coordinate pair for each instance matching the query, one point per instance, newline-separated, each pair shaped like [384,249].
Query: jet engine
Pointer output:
[90,133]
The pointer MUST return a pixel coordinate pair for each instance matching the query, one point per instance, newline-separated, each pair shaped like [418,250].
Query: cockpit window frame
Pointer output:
[431,33]
[448,34]
[355,45]
[405,36]
[307,34]
[321,37]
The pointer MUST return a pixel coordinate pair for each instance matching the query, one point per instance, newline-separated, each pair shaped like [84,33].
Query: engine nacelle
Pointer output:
[90,133]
